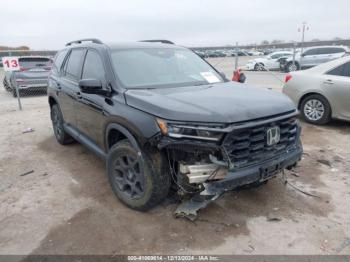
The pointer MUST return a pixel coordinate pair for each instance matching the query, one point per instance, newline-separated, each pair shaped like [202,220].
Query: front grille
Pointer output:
[248,146]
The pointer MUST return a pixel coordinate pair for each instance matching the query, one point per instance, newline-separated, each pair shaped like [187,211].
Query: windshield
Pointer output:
[161,67]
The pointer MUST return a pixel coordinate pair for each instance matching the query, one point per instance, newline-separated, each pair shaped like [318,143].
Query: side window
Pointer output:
[275,56]
[93,66]
[59,58]
[346,70]
[338,71]
[311,52]
[325,51]
[73,65]
[336,50]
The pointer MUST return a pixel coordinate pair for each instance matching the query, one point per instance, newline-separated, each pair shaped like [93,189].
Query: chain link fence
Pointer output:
[30,80]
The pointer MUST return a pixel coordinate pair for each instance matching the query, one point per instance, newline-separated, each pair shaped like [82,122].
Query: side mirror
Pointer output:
[92,86]
[303,55]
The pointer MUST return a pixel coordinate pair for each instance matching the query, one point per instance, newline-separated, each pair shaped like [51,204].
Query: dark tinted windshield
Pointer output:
[161,67]
[33,62]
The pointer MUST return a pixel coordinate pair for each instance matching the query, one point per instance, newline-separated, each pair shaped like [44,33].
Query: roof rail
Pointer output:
[93,40]
[159,41]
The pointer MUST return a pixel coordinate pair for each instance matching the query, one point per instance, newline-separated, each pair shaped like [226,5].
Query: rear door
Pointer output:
[90,106]
[68,86]
[337,85]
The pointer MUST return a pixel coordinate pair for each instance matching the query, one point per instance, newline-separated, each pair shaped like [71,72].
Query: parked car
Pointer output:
[33,75]
[322,92]
[269,62]
[161,116]
[201,53]
[255,53]
[215,53]
[240,53]
[311,57]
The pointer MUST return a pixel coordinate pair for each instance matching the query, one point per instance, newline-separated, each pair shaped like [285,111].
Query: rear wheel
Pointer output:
[315,109]
[61,135]
[291,67]
[136,179]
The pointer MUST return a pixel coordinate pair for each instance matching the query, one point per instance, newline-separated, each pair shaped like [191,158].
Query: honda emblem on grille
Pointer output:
[273,135]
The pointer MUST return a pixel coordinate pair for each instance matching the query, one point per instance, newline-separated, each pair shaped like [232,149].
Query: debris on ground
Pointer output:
[27,173]
[28,130]
[273,218]
[300,190]
[188,209]
[343,245]
[294,174]
[324,162]
[251,249]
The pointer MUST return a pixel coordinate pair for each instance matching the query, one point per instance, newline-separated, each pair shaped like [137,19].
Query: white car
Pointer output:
[322,92]
[255,53]
[269,62]
[313,56]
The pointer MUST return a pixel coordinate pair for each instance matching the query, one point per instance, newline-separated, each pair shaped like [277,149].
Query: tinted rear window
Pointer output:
[33,62]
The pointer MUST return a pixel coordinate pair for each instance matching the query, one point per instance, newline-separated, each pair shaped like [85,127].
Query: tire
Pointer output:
[291,68]
[5,84]
[259,67]
[134,177]
[315,109]
[61,135]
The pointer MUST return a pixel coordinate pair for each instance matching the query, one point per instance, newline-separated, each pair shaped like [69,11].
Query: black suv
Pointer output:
[163,118]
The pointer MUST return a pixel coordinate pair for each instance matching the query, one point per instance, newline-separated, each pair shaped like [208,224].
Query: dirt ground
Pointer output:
[67,207]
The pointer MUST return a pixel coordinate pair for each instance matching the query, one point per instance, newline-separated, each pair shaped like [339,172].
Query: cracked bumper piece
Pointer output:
[257,173]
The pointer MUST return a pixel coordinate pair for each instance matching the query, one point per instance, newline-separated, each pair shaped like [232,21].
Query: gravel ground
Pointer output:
[65,206]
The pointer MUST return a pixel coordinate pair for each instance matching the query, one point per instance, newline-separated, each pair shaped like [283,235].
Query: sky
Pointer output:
[49,24]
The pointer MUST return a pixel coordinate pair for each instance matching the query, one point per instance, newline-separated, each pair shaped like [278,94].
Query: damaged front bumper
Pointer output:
[257,173]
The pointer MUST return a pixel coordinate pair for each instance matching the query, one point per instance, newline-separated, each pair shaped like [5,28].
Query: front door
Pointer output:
[68,85]
[90,107]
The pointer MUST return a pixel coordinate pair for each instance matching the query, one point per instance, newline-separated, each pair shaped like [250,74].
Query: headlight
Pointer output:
[176,130]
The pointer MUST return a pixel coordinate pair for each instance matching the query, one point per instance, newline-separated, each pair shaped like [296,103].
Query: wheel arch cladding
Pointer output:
[116,132]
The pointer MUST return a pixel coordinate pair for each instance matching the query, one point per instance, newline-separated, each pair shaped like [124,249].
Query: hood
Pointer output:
[218,103]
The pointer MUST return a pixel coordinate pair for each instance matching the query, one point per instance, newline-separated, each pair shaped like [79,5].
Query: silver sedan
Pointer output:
[323,92]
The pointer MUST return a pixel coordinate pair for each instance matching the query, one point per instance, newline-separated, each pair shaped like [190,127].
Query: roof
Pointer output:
[123,45]
[326,46]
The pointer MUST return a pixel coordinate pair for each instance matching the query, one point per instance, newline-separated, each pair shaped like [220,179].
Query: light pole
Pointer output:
[302,30]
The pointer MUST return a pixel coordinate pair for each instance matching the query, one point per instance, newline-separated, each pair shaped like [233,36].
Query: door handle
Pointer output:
[79,96]
[328,82]
[59,86]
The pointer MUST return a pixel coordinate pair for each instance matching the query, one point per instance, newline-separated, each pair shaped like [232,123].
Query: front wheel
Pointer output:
[315,109]
[259,67]
[135,178]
